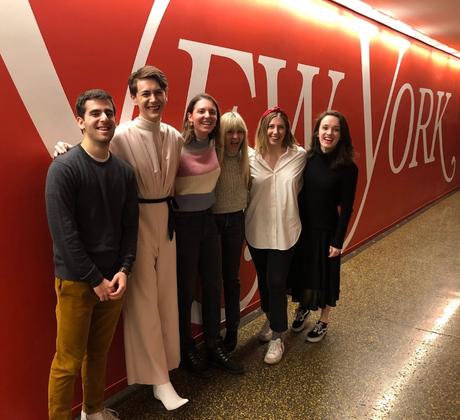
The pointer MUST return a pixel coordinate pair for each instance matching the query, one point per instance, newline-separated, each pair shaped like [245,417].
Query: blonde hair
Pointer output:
[261,138]
[228,122]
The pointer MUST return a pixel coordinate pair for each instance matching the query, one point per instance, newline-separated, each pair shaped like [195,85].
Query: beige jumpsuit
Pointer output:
[150,318]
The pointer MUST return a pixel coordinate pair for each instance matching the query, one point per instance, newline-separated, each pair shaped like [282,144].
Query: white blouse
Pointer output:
[272,216]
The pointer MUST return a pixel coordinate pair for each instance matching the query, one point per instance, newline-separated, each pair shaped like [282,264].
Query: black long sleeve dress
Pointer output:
[326,205]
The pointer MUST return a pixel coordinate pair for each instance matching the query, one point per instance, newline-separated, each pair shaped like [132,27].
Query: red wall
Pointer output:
[402,106]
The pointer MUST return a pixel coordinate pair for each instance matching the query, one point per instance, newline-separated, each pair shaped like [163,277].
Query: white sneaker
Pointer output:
[104,414]
[275,351]
[266,333]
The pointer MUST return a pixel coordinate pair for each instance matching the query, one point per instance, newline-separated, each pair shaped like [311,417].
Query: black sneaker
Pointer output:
[318,332]
[300,321]
[193,362]
[218,356]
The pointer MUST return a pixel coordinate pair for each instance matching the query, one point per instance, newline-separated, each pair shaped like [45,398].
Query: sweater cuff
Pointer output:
[94,277]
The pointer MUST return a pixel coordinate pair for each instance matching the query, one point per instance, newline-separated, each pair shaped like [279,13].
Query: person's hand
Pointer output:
[61,147]
[119,285]
[104,290]
[334,252]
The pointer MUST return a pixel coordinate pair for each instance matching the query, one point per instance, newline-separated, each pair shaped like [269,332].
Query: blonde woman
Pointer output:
[231,201]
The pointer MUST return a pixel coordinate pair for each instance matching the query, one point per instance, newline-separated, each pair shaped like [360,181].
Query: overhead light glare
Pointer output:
[359,25]
[397,41]
[364,9]
[324,13]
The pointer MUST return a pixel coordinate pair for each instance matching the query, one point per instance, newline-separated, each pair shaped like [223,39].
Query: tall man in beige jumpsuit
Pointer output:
[151,326]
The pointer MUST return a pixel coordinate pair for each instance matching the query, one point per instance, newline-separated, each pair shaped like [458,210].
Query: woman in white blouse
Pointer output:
[272,220]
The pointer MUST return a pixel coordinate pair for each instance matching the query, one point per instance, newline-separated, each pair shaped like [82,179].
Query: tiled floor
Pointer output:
[392,351]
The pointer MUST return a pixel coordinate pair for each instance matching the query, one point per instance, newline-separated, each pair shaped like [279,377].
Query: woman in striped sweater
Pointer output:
[197,239]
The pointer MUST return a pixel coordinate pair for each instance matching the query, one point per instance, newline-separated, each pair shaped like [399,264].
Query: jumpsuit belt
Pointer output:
[172,204]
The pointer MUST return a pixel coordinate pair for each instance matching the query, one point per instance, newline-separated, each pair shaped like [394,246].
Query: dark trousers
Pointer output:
[231,230]
[198,259]
[272,268]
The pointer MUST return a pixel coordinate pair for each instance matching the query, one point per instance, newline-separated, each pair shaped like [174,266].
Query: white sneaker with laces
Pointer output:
[275,351]
[266,333]
[104,414]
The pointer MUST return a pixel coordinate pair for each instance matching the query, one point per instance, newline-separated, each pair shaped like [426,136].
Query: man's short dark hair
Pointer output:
[147,72]
[80,105]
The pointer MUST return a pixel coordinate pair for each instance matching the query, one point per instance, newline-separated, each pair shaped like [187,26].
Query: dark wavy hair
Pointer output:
[80,104]
[343,154]
[187,129]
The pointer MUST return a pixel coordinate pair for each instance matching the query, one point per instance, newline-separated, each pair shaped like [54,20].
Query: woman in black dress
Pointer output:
[326,202]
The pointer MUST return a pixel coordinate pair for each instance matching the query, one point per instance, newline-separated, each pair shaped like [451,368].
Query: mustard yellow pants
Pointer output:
[85,328]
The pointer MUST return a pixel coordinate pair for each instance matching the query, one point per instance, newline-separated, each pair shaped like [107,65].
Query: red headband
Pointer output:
[272,109]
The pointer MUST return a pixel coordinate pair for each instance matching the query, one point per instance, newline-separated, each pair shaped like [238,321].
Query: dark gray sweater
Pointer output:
[92,214]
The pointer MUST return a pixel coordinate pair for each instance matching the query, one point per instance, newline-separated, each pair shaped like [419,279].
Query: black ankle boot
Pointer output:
[230,340]
[218,356]
[193,362]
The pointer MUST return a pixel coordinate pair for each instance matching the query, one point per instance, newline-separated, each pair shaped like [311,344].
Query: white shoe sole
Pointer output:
[316,339]
[302,327]
[273,361]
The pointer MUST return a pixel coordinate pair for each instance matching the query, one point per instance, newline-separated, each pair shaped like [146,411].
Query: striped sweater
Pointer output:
[197,176]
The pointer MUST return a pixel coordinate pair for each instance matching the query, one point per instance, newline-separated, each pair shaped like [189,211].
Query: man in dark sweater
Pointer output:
[91,203]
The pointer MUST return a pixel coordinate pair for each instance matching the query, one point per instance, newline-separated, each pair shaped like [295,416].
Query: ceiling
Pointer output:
[438,19]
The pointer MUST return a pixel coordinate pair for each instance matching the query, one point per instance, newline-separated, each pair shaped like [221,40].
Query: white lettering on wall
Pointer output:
[336,77]
[201,58]
[21,43]
[272,67]
[371,153]
[150,30]
[305,99]
[404,88]
[40,89]
[421,127]
[437,134]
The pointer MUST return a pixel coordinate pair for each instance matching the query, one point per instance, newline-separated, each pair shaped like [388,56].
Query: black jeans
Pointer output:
[198,258]
[231,230]
[272,268]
